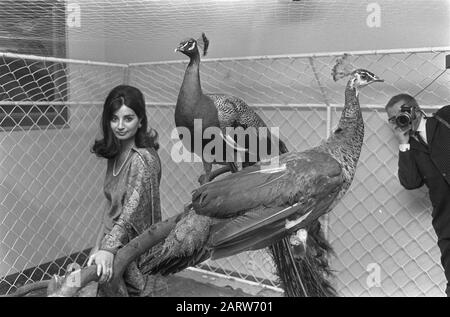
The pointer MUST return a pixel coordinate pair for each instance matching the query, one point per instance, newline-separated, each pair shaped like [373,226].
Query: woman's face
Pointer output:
[125,123]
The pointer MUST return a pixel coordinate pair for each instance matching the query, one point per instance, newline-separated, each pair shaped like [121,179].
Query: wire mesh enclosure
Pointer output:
[51,195]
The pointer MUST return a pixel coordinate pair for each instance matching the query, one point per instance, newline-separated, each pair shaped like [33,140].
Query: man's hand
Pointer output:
[401,134]
[104,260]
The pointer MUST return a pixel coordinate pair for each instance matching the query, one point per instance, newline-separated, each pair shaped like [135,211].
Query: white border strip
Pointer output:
[262,57]
[299,105]
[323,54]
[172,105]
[50,103]
[60,60]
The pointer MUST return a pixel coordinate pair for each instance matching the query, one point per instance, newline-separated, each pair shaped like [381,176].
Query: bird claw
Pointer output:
[54,285]
[203,179]
[61,286]
[298,243]
[299,237]
[187,207]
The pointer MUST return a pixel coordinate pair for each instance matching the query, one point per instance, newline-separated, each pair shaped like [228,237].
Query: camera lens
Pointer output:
[403,120]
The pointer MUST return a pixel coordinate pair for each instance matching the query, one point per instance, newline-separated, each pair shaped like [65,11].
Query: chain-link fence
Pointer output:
[51,185]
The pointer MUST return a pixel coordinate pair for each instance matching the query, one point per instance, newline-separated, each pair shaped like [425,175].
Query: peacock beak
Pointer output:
[180,48]
[378,79]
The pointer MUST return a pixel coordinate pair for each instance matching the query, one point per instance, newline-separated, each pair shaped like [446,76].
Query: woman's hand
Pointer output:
[104,260]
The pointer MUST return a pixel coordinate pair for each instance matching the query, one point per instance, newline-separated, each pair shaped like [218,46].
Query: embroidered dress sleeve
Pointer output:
[137,210]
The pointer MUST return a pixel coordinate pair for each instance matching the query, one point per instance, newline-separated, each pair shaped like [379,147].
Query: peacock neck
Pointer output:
[351,114]
[191,90]
[346,142]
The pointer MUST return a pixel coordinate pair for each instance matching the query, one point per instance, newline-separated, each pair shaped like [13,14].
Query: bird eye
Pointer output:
[364,76]
[191,45]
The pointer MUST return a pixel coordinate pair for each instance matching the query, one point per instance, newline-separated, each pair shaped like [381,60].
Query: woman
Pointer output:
[131,185]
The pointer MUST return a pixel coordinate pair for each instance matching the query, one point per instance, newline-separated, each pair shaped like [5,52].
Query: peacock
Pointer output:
[224,111]
[214,110]
[257,207]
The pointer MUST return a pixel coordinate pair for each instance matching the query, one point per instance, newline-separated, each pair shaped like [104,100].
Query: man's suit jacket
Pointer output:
[430,165]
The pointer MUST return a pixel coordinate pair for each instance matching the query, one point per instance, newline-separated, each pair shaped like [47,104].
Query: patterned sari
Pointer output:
[133,205]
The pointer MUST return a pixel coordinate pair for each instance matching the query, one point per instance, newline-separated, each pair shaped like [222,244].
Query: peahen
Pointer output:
[224,111]
[214,110]
[255,207]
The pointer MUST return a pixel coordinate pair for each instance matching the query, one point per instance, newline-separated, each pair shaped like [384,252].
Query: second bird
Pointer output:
[214,110]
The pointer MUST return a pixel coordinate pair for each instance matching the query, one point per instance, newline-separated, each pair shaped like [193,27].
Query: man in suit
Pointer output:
[424,158]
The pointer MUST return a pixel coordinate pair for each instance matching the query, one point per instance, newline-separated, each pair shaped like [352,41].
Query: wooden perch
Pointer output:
[64,286]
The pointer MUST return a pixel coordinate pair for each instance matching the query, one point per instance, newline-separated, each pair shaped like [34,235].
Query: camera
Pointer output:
[405,117]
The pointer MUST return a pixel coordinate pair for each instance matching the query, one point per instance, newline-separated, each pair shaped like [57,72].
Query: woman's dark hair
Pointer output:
[109,146]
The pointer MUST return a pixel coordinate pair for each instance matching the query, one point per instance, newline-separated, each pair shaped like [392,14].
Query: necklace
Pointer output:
[123,163]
